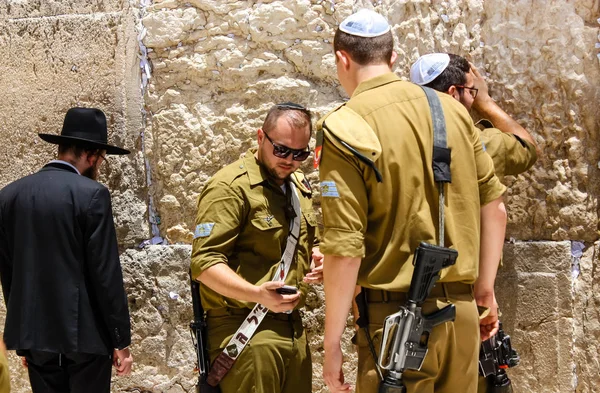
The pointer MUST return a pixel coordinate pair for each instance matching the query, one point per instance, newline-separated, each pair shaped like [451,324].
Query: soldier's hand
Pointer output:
[480,84]
[315,276]
[332,370]
[122,361]
[275,301]
[489,325]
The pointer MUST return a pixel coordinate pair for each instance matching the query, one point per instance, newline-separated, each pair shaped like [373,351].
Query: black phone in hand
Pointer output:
[287,290]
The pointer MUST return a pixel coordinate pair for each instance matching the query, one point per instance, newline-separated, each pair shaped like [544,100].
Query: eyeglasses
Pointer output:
[282,151]
[473,91]
[105,160]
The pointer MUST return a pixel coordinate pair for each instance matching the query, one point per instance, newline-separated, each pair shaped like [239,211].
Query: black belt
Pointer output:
[445,289]
[226,311]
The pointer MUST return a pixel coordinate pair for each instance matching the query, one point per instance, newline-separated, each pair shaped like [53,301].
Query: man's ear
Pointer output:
[343,57]
[92,157]
[393,59]
[260,135]
[453,91]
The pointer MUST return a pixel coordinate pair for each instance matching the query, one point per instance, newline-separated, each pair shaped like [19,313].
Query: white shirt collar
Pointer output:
[66,163]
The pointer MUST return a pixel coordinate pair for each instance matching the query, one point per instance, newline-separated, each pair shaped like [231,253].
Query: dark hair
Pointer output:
[365,50]
[454,74]
[297,115]
[76,150]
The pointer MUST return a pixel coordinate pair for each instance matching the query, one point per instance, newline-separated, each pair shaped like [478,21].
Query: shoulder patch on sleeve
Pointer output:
[329,189]
[203,229]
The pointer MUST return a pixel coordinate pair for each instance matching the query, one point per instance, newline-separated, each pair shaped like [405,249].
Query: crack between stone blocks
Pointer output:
[146,74]
[577,250]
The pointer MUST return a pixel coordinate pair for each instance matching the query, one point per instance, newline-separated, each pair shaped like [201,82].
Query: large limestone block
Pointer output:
[42,8]
[587,321]
[52,63]
[545,75]
[246,55]
[157,284]
[534,293]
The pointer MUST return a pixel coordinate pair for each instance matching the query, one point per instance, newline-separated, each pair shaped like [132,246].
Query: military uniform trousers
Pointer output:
[450,365]
[482,386]
[275,360]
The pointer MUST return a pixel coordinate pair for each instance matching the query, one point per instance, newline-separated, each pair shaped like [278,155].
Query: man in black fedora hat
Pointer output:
[67,310]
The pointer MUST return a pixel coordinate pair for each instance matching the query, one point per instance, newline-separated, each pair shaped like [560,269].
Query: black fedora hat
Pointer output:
[85,127]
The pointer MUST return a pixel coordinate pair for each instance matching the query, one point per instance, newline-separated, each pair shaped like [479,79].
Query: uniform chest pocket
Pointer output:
[266,237]
[265,222]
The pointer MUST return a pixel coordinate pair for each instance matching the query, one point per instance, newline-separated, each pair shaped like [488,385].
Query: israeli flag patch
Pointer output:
[329,189]
[483,145]
[203,229]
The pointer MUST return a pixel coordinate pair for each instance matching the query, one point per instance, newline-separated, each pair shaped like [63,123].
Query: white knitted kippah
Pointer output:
[365,23]
[428,67]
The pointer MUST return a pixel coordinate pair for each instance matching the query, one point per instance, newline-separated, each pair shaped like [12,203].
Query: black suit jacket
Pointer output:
[59,265]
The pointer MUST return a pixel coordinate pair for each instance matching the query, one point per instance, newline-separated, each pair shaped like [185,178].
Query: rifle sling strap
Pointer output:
[441,154]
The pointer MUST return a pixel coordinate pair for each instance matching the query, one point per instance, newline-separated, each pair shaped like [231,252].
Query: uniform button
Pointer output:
[241,167]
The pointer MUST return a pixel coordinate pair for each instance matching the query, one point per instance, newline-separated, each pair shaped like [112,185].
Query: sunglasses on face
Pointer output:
[473,91]
[282,151]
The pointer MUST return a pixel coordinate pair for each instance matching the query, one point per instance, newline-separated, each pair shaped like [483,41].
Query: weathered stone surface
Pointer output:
[51,63]
[157,284]
[587,321]
[218,66]
[19,9]
[534,293]
[545,76]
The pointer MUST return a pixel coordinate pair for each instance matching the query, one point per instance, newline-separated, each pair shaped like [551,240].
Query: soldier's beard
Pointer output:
[275,175]
[272,170]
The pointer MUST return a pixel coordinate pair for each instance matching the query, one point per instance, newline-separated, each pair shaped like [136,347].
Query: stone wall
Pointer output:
[185,85]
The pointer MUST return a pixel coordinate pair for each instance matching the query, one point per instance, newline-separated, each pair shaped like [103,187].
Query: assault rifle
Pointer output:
[406,333]
[495,356]
[198,331]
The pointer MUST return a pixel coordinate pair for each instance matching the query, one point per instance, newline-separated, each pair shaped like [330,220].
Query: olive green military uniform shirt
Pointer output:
[241,221]
[384,222]
[511,154]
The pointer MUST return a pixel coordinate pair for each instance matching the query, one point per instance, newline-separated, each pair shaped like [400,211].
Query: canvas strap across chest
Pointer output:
[238,342]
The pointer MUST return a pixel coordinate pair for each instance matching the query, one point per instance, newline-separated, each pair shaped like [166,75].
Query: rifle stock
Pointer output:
[406,333]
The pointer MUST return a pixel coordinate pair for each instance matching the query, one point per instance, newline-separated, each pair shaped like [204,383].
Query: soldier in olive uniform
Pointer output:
[512,148]
[242,230]
[381,202]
